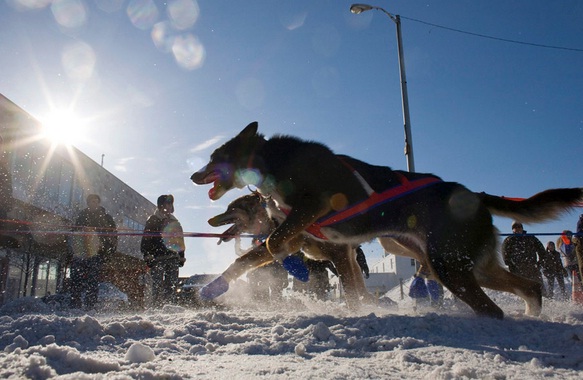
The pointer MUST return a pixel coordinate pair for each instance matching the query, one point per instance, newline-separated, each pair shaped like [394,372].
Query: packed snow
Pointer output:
[301,338]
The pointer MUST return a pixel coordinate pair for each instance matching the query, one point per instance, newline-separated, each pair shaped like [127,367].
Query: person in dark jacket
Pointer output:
[163,249]
[553,270]
[522,252]
[96,244]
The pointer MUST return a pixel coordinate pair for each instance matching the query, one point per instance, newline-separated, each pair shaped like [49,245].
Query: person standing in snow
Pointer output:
[522,253]
[553,269]
[578,242]
[163,248]
[567,248]
[97,243]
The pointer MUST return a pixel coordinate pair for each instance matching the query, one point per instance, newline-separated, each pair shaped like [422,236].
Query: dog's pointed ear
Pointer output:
[249,131]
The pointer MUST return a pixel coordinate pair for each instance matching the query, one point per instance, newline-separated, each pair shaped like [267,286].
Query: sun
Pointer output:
[62,127]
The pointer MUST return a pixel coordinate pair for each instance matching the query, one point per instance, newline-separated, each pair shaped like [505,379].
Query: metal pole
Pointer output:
[405,99]
[358,9]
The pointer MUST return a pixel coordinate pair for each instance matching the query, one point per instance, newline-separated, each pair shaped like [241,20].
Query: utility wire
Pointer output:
[493,38]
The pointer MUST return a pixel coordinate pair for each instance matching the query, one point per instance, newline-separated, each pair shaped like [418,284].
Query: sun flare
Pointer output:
[62,127]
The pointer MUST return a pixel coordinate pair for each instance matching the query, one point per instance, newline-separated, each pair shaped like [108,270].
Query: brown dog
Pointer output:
[249,214]
[346,201]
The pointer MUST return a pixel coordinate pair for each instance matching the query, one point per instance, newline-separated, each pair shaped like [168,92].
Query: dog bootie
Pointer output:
[418,288]
[296,267]
[214,288]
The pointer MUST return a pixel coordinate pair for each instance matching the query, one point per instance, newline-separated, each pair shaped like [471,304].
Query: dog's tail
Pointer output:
[540,207]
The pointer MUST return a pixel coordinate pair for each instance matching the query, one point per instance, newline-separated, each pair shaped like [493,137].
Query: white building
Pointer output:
[385,274]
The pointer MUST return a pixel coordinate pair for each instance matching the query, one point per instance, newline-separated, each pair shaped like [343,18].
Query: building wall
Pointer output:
[403,267]
[389,272]
[49,186]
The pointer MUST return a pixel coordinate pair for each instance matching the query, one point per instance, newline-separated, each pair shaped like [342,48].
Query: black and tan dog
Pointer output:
[250,214]
[346,201]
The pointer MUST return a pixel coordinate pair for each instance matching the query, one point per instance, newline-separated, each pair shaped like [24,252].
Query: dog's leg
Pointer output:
[459,278]
[284,239]
[465,286]
[344,259]
[287,238]
[256,257]
[496,277]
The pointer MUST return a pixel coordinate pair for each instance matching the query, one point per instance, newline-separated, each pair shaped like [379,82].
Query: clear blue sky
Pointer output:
[159,85]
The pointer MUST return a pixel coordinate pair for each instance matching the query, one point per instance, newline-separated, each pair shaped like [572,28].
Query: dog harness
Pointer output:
[405,187]
[374,200]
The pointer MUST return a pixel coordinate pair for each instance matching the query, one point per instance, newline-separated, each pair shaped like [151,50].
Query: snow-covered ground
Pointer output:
[299,339]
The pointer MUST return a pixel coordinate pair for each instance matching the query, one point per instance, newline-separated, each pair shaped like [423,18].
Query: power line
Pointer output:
[493,38]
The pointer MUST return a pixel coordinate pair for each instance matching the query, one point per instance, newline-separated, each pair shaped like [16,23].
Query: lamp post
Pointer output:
[359,8]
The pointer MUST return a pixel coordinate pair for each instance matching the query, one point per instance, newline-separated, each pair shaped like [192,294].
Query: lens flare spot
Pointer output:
[412,221]
[249,177]
[142,13]
[173,237]
[183,13]
[69,13]
[22,5]
[79,61]
[188,52]
[293,21]
[162,36]
[338,201]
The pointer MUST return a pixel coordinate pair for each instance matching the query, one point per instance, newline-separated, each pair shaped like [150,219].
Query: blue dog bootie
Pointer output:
[214,289]
[296,267]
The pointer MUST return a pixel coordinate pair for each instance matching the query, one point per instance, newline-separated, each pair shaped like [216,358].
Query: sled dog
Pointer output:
[251,214]
[340,199]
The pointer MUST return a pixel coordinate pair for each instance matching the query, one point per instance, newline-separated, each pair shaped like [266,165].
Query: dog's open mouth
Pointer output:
[230,233]
[202,178]
[221,220]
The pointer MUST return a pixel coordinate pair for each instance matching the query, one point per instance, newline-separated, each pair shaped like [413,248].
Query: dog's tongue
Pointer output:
[213,192]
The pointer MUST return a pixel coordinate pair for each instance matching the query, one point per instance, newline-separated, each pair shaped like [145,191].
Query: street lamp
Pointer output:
[358,9]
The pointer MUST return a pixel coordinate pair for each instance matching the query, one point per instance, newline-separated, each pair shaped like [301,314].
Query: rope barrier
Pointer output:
[206,234]
[136,233]
[69,230]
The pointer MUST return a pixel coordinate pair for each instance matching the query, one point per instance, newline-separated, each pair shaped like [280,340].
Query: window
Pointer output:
[132,224]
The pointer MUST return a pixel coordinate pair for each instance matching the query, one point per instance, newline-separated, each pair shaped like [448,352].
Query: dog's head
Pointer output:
[228,166]
[247,214]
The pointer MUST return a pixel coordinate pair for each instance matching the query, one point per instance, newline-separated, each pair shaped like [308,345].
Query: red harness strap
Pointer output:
[374,200]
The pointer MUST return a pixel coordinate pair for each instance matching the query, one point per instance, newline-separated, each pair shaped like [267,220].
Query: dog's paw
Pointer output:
[213,289]
[296,267]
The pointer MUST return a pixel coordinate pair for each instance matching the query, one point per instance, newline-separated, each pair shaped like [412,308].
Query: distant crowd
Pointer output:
[562,260]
